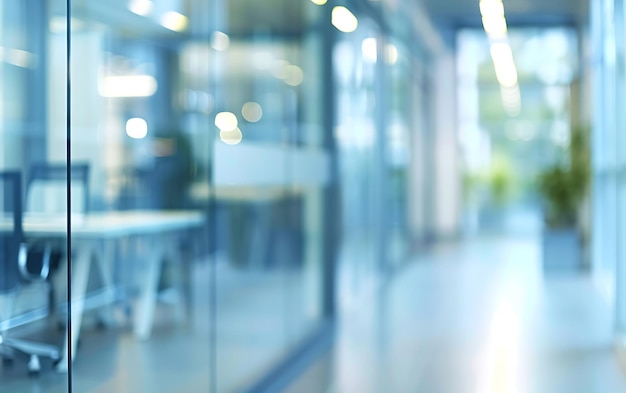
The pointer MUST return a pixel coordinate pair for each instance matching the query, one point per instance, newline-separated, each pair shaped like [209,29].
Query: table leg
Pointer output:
[106,266]
[144,316]
[80,275]
[179,278]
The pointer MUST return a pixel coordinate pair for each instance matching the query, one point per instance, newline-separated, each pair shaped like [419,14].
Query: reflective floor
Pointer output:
[481,316]
[177,357]
[477,317]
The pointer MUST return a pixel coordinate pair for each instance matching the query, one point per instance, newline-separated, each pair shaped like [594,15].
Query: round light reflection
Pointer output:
[231,137]
[252,112]
[295,76]
[226,121]
[136,128]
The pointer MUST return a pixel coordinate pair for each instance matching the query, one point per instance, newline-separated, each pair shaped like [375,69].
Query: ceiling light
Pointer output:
[495,26]
[128,86]
[220,41]
[491,8]
[344,20]
[174,21]
[141,7]
[506,73]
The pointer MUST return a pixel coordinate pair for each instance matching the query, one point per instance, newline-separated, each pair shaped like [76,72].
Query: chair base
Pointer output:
[9,345]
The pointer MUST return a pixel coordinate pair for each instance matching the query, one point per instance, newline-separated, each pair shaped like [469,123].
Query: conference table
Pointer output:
[92,236]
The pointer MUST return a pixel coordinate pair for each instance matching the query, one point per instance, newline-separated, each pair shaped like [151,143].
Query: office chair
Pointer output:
[46,194]
[15,271]
[49,175]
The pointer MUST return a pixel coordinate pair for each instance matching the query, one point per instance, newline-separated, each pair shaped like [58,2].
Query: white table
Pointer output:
[87,235]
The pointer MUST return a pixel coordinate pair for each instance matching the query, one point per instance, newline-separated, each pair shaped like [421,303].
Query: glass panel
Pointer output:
[400,132]
[268,177]
[196,244]
[355,66]
[141,123]
[197,176]
[619,161]
[35,310]
[604,148]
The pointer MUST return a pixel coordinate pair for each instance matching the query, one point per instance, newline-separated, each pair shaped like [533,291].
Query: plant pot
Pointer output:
[562,249]
[492,217]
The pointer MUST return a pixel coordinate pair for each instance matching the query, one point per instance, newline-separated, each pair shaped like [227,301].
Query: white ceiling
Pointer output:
[466,12]
[288,16]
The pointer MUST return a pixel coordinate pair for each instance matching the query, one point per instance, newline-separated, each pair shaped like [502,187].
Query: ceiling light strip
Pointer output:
[495,26]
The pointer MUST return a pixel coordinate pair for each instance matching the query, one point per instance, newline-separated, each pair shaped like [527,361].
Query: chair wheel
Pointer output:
[33,373]
[7,361]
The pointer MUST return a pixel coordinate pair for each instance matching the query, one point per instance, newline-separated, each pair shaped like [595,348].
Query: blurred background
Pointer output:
[312,196]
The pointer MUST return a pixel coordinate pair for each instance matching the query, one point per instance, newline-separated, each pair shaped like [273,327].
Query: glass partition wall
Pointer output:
[33,217]
[268,189]
[607,33]
[185,241]
[404,147]
[196,179]
[381,135]
[128,123]
[358,137]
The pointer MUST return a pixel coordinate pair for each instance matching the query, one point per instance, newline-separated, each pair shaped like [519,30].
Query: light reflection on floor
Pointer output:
[501,365]
[479,316]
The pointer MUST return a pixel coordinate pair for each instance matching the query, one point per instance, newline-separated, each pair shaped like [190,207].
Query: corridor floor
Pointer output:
[481,316]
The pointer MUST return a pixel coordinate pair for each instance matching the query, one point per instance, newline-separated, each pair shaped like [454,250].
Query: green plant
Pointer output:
[500,179]
[471,185]
[493,185]
[565,184]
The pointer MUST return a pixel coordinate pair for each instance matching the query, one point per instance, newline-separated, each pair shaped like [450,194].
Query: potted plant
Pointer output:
[500,181]
[497,181]
[564,187]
